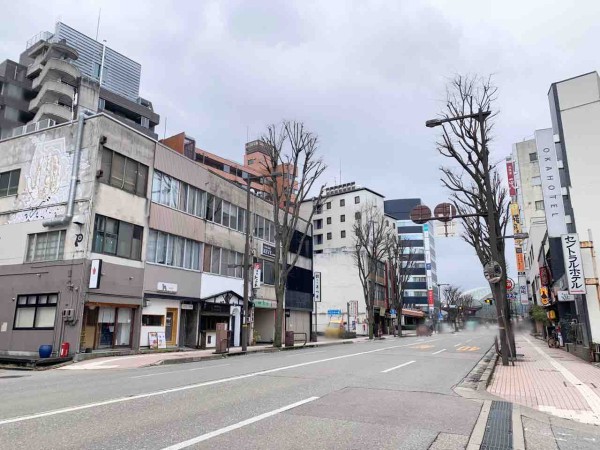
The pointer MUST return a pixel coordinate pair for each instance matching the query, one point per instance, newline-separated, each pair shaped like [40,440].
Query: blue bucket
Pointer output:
[45,351]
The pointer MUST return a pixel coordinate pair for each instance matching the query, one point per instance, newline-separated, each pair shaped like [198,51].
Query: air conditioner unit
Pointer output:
[68,314]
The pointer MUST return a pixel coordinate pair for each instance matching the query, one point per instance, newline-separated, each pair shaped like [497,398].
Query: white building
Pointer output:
[333,254]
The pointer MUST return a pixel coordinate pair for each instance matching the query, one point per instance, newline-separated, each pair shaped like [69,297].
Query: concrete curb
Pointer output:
[486,377]
[476,437]
[518,436]
[213,357]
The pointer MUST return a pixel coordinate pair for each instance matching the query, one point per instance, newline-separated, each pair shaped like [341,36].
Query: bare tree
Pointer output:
[401,257]
[371,235]
[293,166]
[475,184]
[452,294]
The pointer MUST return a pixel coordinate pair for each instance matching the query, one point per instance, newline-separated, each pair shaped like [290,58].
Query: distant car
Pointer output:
[335,328]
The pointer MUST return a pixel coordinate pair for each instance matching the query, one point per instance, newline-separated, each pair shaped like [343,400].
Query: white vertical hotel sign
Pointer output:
[573,263]
[554,208]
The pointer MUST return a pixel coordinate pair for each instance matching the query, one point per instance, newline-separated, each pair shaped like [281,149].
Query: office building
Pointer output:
[421,292]
[65,72]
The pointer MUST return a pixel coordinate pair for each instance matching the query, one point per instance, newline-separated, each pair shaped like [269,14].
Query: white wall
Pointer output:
[214,284]
[159,307]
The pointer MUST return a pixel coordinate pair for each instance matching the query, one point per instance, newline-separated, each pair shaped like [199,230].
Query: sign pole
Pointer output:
[348,314]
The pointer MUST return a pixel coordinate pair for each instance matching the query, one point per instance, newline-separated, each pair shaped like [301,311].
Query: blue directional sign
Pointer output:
[392,311]
[334,312]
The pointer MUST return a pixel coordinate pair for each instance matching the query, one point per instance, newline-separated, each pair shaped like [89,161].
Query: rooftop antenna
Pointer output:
[98,25]
[247,133]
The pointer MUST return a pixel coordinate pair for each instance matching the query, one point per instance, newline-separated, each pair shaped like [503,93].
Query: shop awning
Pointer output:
[412,313]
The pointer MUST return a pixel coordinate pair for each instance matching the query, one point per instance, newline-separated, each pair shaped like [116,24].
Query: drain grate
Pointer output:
[498,430]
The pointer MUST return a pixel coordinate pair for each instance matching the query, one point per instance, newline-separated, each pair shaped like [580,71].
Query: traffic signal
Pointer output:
[489,301]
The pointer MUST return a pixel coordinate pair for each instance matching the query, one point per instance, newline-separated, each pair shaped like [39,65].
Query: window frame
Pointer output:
[60,249]
[140,185]
[15,187]
[343,218]
[357,200]
[37,305]
[136,230]
[343,234]
[329,221]
[342,202]
[329,236]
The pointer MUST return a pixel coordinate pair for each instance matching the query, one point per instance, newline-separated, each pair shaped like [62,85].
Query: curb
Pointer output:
[478,432]
[480,375]
[486,377]
[213,357]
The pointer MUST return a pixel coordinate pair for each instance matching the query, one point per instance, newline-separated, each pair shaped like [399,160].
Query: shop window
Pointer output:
[152,320]
[124,173]
[45,246]
[116,237]
[9,182]
[37,311]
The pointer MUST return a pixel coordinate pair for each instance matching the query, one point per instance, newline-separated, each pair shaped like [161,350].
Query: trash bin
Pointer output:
[289,338]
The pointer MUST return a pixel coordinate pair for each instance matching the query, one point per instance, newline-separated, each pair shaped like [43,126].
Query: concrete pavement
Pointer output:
[393,393]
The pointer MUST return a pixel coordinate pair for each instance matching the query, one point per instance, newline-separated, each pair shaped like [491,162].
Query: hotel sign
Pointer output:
[554,208]
[573,263]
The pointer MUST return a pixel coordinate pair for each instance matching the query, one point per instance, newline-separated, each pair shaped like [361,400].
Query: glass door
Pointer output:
[106,327]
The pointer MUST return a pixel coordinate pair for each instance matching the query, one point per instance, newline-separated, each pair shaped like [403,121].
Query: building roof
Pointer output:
[400,208]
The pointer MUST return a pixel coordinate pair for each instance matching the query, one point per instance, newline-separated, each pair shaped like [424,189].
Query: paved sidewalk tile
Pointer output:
[550,380]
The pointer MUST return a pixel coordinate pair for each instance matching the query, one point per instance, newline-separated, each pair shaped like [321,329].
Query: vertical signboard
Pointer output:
[554,208]
[428,268]
[317,287]
[573,263]
[256,276]
[95,273]
[510,172]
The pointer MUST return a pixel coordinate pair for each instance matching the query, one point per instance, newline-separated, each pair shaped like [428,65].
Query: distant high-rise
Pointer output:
[62,73]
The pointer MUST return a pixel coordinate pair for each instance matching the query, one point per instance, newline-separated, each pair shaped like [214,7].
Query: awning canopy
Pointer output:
[412,313]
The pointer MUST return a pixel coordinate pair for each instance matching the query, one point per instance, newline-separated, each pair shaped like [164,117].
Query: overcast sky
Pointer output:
[363,75]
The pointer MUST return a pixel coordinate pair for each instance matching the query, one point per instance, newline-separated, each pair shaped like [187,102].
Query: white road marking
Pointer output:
[397,367]
[192,386]
[235,426]
[469,340]
[298,353]
[177,371]
[439,351]
[460,343]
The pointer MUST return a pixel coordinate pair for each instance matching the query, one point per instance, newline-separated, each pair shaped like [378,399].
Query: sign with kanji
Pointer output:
[317,286]
[95,274]
[256,274]
[573,263]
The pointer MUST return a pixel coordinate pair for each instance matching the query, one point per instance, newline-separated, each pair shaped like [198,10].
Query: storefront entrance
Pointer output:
[171,327]
[107,327]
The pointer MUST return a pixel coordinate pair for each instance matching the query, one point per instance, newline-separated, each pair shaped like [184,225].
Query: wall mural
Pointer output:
[47,181]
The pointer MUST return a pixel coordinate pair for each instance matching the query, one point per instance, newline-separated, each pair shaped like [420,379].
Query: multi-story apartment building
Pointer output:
[62,73]
[421,290]
[333,240]
[141,240]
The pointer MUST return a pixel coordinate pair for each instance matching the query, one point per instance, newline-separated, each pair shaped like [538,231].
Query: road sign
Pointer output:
[510,284]
[444,212]
[353,308]
[420,214]
[334,312]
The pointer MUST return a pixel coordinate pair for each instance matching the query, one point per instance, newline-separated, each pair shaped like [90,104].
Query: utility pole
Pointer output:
[246,272]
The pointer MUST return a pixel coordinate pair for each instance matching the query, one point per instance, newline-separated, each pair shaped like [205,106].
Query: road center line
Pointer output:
[178,371]
[193,386]
[299,353]
[397,367]
[235,426]
[439,351]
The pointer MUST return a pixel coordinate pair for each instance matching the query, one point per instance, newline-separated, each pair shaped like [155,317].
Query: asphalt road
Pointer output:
[392,393]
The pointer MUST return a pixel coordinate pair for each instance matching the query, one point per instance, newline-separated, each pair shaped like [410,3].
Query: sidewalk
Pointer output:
[551,381]
[154,359]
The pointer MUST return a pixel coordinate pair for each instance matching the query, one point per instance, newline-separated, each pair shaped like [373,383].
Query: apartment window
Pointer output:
[318,209]
[329,236]
[357,199]
[171,250]
[35,312]
[357,215]
[264,228]
[342,202]
[343,218]
[536,181]
[328,205]
[318,224]
[220,261]
[539,205]
[145,122]
[96,69]
[45,246]
[9,182]
[124,173]
[329,221]
[251,161]
[267,275]
[318,239]
[116,237]
[533,157]
[343,234]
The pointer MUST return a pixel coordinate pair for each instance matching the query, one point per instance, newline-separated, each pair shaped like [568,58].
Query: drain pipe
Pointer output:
[64,220]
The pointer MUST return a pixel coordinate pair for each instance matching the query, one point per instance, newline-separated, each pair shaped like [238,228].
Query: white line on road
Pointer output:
[235,426]
[298,353]
[469,340]
[460,343]
[192,386]
[439,351]
[177,371]
[397,367]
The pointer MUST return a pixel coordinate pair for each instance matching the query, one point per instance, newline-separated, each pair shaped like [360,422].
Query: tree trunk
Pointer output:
[371,321]
[278,338]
